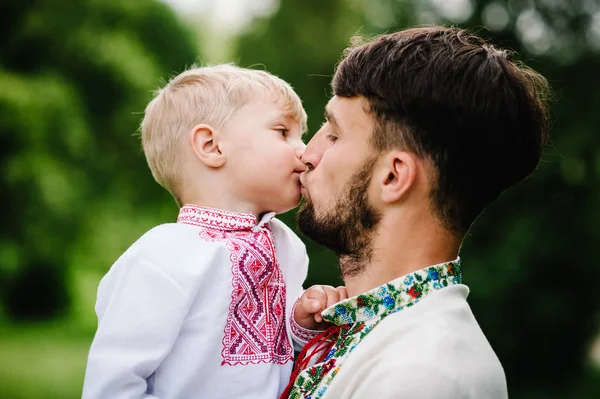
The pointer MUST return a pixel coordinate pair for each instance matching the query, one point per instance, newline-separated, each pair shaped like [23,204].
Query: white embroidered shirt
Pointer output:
[199,309]
[413,337]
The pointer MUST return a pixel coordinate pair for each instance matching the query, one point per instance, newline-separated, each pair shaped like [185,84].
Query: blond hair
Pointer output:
[209,95]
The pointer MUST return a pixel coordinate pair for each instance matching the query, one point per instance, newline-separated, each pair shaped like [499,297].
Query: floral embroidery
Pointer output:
[396,293]
[357,316]
[255,331]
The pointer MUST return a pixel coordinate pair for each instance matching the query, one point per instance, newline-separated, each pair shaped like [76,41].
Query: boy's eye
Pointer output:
[282,131]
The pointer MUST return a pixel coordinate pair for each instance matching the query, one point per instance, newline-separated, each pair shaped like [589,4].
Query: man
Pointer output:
[427,126]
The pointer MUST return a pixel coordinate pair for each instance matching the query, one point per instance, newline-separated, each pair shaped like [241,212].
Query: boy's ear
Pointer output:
[205,145]
[399,175]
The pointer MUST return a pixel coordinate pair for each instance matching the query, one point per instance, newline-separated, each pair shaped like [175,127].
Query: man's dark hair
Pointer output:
[448,96]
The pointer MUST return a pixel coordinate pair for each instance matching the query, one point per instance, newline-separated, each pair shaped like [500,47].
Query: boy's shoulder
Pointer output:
[170,240]
[165,235]
[175,240]
[175,249]
[291,254]
[284,234]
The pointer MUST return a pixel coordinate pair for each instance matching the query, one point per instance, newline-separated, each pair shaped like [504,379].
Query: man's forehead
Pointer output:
[332,104]
[345,111]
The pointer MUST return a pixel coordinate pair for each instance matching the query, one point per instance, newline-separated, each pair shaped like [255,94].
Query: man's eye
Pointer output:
[331,138]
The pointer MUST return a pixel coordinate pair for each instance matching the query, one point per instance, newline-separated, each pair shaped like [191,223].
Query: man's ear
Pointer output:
[400,173]
[205,145]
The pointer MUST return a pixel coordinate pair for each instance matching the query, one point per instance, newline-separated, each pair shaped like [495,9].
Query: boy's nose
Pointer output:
[300,148]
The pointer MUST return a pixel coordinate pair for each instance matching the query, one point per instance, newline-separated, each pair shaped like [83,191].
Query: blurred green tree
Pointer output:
[529,258]
[75,76]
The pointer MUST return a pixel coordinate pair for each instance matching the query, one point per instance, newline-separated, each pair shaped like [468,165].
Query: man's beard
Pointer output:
[347,228]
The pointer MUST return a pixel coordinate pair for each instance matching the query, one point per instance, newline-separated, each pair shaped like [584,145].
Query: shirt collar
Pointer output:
[395,295]
[217,219]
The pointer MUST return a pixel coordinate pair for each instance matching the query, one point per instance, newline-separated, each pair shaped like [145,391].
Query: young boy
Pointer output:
[202,308]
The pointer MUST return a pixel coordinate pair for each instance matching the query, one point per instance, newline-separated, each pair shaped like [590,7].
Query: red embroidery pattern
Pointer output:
[210,218]
[255,331]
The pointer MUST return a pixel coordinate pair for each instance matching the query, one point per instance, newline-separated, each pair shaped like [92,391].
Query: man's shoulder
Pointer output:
[440,337]
[442,325]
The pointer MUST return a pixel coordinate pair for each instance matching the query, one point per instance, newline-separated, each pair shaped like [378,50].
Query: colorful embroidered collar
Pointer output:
[394,295]
[217,219]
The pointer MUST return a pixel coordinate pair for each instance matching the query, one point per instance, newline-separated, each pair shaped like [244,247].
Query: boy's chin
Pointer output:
[289,206]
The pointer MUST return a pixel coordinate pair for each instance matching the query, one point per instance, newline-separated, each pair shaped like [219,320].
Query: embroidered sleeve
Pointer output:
[300,335]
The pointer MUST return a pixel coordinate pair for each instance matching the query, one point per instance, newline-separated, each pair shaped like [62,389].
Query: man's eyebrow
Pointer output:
[331,119]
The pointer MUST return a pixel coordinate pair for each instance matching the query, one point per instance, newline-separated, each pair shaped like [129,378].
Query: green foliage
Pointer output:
[75,76]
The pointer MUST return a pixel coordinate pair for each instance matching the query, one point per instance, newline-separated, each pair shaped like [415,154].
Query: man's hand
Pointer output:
[314,300]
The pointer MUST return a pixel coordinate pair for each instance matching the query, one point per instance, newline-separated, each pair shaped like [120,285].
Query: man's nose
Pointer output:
[312,155]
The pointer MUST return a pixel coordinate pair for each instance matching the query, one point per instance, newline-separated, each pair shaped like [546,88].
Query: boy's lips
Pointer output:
[302,180]
[303,189]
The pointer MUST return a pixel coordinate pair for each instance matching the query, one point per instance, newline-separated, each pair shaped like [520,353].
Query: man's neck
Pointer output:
[401,247]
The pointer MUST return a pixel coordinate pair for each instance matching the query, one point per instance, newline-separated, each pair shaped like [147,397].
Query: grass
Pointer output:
[47,360]
[42,361]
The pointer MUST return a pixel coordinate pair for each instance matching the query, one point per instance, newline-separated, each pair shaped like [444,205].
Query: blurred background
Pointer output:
[75,76]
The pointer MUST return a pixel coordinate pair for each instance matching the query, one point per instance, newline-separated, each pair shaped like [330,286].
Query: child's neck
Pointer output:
[225,204]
